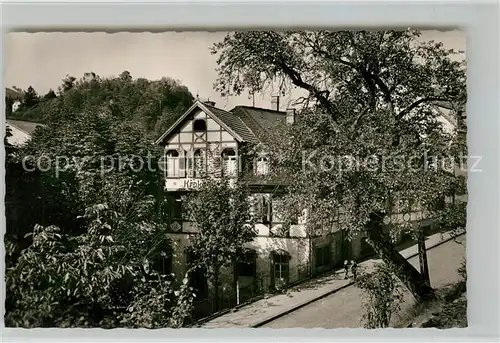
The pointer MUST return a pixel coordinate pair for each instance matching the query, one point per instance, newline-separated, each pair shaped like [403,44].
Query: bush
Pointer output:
[383,294]
[90,279]
[462,270]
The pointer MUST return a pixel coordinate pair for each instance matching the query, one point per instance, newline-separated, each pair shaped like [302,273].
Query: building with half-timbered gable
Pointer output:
[207,140]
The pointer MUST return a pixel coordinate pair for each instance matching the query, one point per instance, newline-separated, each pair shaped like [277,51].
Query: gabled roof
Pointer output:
[449,105]
[13,94]
[235,123]
[452,112]
[244,123]
[27,127]
[259,120]
[205,108]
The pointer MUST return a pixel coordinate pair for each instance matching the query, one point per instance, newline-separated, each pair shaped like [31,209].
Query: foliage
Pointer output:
[221,214]
[354,115]
[141,101]
[30,98]
[9,148]
[83,277]
[367,127]
[50,95]
[98,200]
[92,159]
[150,310]
[87,280]
[383,295]
[462,270]
[68,83]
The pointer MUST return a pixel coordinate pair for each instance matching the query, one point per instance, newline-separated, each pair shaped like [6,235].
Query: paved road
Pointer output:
[343,309]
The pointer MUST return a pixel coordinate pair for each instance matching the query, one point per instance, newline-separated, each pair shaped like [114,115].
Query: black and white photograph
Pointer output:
[236,179]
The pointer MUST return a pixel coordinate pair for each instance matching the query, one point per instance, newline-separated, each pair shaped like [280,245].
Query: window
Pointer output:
[246,266]
[163,263]
[281,267]
[199,163]
[322,256]
[175,164]
[264,208]
[230,162]
[269,210]
[176,209]
[199,125]
[262,165]
[276,211]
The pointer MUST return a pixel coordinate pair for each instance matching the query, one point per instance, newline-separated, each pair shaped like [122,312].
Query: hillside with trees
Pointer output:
[152,104]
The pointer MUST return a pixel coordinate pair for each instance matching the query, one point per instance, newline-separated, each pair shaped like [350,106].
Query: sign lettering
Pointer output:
[192,183]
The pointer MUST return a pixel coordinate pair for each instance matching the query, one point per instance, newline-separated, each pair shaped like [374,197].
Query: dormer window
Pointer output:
[199,125]
[262,165]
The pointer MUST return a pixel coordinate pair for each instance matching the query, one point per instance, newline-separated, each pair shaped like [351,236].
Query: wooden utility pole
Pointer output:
[422,257]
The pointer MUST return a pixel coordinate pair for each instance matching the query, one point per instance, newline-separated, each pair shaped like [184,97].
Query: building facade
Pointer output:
[207,140]
[12,100]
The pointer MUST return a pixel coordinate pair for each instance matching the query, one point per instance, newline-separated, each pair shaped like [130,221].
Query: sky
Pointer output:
[42,60]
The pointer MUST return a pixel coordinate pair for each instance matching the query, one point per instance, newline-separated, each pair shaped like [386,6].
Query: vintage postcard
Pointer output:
[263,179]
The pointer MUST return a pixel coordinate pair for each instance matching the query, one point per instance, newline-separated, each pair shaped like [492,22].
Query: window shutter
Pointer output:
[253,204]
[170,166]
[234,166]
[269,213]
[181,164]
[227,167]
[266,208]
[258,206]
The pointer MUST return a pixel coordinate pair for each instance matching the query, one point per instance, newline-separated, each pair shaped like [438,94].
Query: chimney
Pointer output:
[275,102]
[290,115]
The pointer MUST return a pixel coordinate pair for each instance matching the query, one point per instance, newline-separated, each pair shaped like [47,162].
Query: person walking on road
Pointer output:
[354,270]
[346,269]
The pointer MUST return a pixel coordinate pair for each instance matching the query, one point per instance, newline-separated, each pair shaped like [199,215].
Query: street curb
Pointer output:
[284,313]
[204,320]
[438,244]
[270,319]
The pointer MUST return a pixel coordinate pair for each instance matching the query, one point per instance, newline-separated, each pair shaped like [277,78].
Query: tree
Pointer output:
[221,214]
[99,249]
[125,76]
[166,120]
[364,125]
[89,280]
[140,101]
[68,83]
[383,295]
[30,98]
[9,148]
[50,95]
